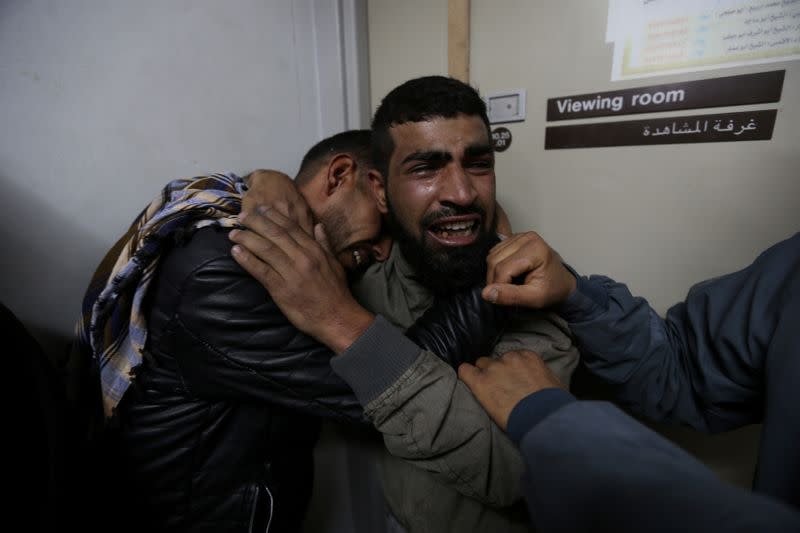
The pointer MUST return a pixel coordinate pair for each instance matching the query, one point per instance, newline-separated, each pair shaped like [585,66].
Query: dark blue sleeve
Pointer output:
[703,365]
[593,468]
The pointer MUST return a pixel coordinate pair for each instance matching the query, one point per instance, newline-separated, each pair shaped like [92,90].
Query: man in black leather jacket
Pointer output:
[217,429]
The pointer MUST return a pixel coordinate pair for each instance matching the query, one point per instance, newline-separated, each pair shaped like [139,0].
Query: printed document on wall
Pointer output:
[658,37]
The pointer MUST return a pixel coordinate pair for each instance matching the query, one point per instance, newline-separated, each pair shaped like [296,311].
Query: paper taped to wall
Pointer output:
[657,37]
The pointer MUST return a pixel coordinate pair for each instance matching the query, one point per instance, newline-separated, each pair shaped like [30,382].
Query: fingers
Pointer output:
[513,243]
[531,369]
[512,267]
[263,272]
[322,238]
[468,374]
[304,217]
[278,214]
[272,224]
[483,363]
[514,295]
[520,358]
[276,189]
[299,213]
[525,271]
[524,252]
[259,248]
[274,239]
[471,375]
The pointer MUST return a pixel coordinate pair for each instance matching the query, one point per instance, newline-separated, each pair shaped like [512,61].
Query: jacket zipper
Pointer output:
[255,508]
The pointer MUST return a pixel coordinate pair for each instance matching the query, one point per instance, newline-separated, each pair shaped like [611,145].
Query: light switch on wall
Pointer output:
[506,107]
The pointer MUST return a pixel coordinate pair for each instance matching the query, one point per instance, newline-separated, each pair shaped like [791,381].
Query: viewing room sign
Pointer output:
[764,87]
[724,127]
[748,89]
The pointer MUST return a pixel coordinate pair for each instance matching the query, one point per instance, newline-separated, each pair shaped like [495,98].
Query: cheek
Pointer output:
[486,191]
[414,198]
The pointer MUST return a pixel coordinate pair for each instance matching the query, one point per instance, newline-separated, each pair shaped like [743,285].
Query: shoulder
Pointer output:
[782,253]
[773,271]
[194,251]
[203,289]
[200,271]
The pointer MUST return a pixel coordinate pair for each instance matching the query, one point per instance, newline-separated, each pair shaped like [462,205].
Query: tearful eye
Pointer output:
[358,257]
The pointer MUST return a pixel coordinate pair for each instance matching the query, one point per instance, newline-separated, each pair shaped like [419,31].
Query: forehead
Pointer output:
[438,134]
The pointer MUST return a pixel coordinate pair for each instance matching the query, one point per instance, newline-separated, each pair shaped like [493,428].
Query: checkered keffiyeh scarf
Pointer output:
[112,329]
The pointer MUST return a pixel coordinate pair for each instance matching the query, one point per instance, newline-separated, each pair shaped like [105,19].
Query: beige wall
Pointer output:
[659,218]
[408,38]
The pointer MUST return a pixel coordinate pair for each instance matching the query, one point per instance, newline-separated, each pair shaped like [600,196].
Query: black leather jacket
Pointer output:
[217,430]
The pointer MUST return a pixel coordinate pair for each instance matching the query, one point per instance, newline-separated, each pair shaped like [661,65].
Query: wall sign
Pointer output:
[723,127]
[746,89]
[657,37]
[501,138]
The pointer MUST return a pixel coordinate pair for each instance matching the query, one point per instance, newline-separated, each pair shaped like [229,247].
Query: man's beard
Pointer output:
[337,226]
[445,269]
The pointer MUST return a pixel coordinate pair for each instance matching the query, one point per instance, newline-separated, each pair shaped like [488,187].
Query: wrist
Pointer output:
[587,299]
[569,282]
[346,327]
[565,283]
[534,408]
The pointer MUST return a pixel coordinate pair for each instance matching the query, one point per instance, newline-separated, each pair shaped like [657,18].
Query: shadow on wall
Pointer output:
[47,263]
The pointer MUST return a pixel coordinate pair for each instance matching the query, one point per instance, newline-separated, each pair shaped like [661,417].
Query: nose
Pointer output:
[457,187]
[382,247]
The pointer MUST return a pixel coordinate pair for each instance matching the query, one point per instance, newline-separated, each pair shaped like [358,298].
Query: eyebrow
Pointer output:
[428,155]
[473,150]
[477,150]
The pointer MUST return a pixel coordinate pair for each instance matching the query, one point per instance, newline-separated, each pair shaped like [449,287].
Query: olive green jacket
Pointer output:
[450,468]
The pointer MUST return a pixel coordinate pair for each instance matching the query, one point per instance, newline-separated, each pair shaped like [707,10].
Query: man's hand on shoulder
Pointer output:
[500,384]
[270,187]
[304,279]
[545,282]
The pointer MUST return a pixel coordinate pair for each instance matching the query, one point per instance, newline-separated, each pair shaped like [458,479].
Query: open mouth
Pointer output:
[455,231]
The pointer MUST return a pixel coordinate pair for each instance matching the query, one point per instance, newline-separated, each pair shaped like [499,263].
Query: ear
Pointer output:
[341,172]
[378,187]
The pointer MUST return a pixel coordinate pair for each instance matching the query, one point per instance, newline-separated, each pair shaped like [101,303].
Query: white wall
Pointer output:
[103,102]
[659,218]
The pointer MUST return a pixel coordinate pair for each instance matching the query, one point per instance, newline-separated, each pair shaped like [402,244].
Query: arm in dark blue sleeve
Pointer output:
[590,467]
[703,364]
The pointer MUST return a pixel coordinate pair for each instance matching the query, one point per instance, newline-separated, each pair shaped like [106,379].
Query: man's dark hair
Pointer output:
[419,100]
[353,142]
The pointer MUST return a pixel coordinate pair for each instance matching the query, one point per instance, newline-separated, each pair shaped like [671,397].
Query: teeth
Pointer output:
[453,228]
[458,226]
